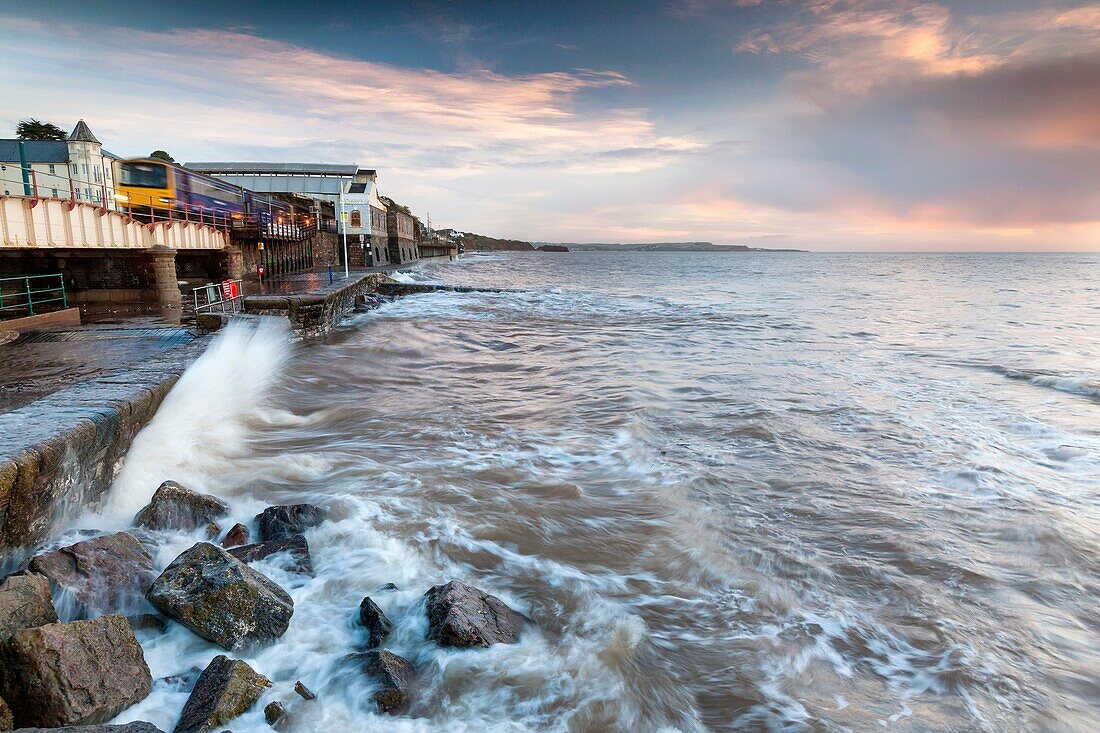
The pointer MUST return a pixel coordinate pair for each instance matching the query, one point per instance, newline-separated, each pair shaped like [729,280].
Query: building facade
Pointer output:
[401,234]
[77,168]
[363,217]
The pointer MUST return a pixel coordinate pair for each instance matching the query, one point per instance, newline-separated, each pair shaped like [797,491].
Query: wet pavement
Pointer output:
[40,363]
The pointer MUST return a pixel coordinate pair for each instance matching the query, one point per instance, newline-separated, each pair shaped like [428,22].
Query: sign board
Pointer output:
[361,239]
[260,270]
[344,215]
[260,246]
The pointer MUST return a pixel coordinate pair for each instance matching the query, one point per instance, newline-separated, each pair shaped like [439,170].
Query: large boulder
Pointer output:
[394,676]
[375,622]
[224,690]
[80,673]
[296,547]
[220,598]
[25,603]
[282,522]
[460,615]
[110,573]
[135,727]
[176,507]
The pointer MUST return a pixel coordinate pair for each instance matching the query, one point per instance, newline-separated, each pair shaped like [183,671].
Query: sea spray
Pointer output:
[203,423]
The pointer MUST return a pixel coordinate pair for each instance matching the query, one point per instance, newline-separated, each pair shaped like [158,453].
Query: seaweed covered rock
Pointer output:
[460,615]
[175,507]
[282,522]
[375,622]
[394,677]
[79,673]
[224,690]
[220,598]
[25,602]
[104,574]
[296,547]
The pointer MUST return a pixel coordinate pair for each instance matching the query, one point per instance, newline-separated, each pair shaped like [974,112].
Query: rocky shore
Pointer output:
[78,674]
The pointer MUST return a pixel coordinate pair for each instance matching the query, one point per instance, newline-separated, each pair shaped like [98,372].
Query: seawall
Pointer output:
[61,453]
[310,314]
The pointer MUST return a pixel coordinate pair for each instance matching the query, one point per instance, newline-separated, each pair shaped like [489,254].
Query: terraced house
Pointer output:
[78,168]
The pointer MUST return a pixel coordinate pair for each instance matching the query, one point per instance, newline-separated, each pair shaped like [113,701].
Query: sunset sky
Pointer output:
[821,125]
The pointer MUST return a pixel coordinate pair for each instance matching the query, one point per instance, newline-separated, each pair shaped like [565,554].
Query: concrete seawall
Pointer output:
[61,453]
[310,314]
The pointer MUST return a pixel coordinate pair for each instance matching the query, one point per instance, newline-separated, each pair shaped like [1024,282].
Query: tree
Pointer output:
[162,156]
[33,129]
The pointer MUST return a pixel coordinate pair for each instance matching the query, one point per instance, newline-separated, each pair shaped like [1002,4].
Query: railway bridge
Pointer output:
[108,256]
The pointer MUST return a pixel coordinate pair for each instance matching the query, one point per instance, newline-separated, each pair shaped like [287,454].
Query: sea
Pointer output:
[732,492]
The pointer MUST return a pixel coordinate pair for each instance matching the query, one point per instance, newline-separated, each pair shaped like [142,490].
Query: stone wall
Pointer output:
[60,454]
[310,314]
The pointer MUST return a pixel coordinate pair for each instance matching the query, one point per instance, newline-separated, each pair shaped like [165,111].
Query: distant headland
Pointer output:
[480,243]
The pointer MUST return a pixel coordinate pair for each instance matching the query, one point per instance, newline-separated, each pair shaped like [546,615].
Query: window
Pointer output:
[53,168]
[88,194]
[77,191]
[75,171]
[53,191]
[144,175]
[85,167]
[356,218]
[95,169]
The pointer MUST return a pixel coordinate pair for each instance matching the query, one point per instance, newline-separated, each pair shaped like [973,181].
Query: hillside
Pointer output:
[481,243]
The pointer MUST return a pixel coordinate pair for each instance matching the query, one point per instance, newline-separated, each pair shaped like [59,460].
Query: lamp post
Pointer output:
[344,227]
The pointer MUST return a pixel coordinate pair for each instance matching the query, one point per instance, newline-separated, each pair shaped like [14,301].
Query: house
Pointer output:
[363,217]
[62,169]
[401,233]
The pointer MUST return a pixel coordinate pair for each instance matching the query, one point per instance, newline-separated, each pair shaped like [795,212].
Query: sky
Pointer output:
[824,124]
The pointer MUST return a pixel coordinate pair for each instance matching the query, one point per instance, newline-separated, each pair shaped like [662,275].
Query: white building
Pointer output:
[78,167]
[364,219]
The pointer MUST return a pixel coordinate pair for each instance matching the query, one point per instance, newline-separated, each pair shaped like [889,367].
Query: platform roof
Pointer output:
[275,169]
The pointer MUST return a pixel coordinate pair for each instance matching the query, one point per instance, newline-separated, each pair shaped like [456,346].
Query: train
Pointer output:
[148,186]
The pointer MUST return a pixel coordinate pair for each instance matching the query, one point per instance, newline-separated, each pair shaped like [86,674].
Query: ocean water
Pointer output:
[733,492]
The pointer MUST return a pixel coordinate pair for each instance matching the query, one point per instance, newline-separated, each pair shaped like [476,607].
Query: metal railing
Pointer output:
[223,297]
[19,295]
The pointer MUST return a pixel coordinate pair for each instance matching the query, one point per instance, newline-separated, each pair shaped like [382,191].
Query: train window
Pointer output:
[356,218]
[144,175]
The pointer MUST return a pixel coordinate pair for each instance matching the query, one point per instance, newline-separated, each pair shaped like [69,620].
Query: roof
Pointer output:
[82,133]
[281,169]
[38,151]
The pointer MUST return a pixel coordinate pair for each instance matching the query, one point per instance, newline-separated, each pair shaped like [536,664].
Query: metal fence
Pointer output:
[223,297]
[20,296]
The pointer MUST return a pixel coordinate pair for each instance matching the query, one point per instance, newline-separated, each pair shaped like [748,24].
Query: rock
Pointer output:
[135,727]
[6,720]
[281,522]
[183,680]
[460,615]
[237,535]
[387,588]
[304,691]
[374,620]
[176,507]
[146,622]
[213,531]
[80,673]
[297,547]
[105,574]
[220,598]
[224,690]
[394,676]
[25,603]
[275,715]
